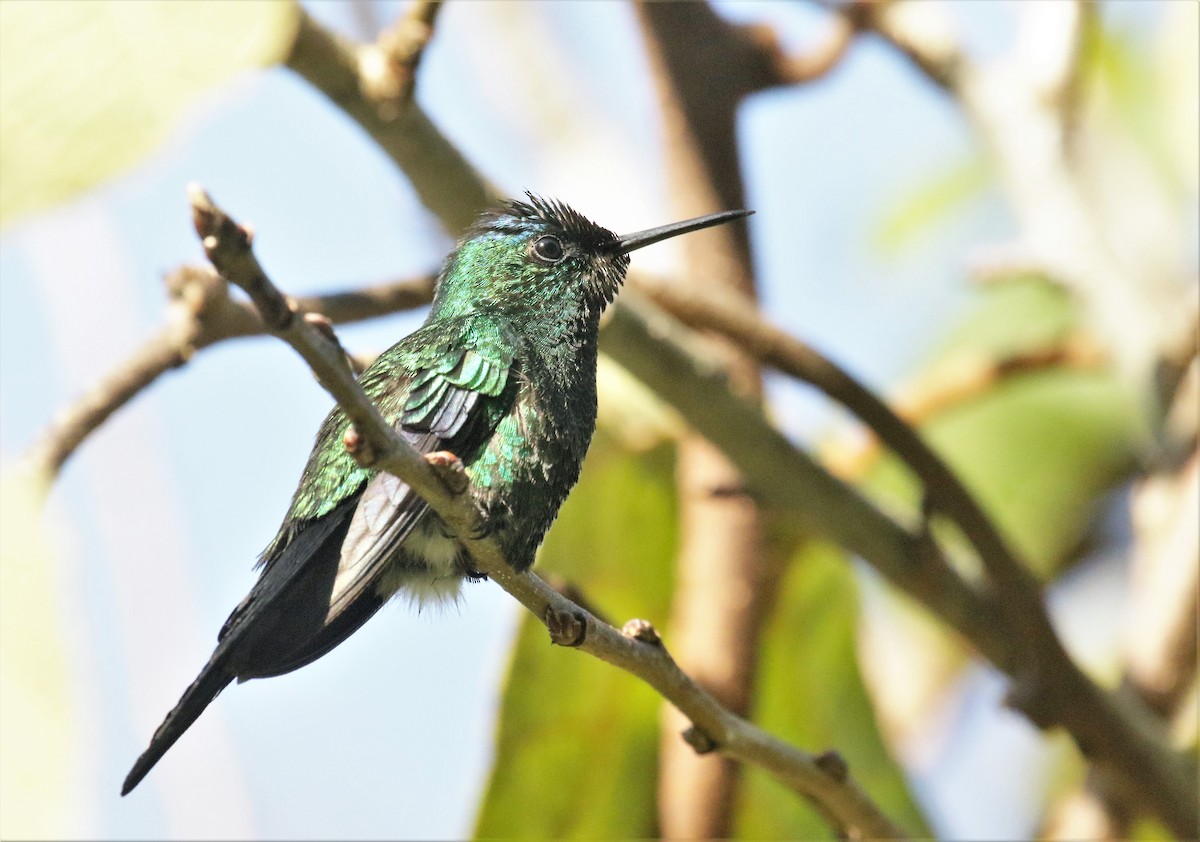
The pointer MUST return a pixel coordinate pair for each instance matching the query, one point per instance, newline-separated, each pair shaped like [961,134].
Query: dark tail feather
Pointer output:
[211,681]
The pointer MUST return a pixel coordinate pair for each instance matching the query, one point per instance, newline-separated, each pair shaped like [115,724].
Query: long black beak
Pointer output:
[653,235]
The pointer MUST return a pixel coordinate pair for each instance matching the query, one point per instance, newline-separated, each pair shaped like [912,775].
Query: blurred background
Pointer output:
[885,235]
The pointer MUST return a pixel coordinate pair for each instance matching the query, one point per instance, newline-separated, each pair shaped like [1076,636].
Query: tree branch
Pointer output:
[923,34]
[799,68]
[447,184]
[439,481]
[389,66]
[781,477]
[962,379]
[725,314]
[169,348]
[1021,104]
[199,313]
[723,565]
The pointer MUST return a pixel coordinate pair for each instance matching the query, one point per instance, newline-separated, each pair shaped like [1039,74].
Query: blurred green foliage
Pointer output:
[811,694]
[577,750]
[578,745]
[1037,448]
[63,134]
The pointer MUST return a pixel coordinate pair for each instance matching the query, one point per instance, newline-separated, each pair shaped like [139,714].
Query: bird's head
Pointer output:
[542,259]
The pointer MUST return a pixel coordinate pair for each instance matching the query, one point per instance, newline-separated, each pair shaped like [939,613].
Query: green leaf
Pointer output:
[810,693]
[1037,449]
[88,89]
[577,750]
[1014,315]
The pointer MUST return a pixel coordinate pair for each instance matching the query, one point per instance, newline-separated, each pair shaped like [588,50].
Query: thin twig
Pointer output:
[637,650]
[956,382]
[797,68]
[922,34]
[388,68]
[193,291]
[72,425]
[199,314]
[228,246]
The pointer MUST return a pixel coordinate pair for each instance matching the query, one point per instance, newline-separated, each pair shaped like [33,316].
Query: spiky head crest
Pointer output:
[537,259]
[553,216]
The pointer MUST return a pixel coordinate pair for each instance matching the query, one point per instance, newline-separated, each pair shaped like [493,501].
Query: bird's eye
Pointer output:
[547,249]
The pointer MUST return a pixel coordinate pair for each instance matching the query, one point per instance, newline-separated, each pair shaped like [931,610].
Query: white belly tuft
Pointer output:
[437,582]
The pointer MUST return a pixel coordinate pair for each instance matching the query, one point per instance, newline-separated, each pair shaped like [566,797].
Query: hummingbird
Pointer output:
[503,375]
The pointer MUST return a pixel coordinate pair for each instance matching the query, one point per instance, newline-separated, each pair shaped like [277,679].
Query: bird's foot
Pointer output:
[358,447]
[449,469]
